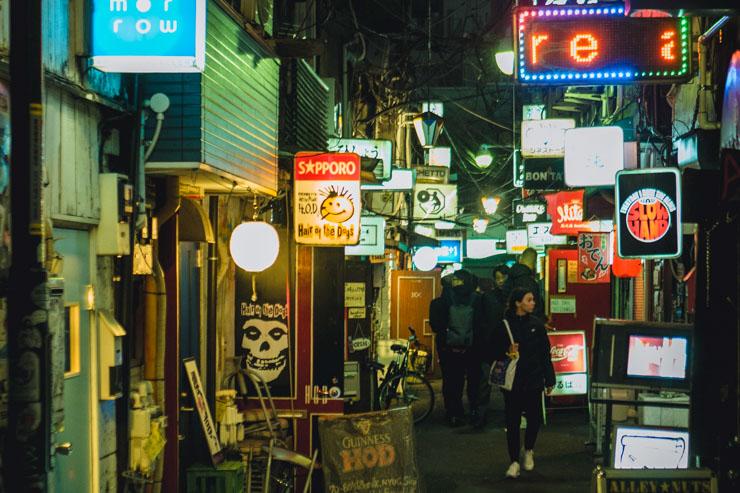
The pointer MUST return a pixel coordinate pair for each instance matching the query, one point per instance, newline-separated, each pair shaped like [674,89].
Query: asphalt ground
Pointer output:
[457,460]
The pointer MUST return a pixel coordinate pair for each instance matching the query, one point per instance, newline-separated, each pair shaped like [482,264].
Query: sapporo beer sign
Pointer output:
[327,199]
[649,213]
[590,44]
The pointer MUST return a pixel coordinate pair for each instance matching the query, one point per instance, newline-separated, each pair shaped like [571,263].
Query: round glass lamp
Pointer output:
[254,246]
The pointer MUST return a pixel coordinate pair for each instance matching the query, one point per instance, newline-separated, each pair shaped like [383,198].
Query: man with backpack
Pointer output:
[457,319]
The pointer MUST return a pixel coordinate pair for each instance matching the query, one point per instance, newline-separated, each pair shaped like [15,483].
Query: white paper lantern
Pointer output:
[254,246]
[425,258]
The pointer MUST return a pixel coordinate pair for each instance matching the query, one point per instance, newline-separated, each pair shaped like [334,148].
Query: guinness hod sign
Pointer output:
[648,204]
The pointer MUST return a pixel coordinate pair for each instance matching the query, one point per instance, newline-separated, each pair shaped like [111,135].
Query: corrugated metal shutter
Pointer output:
[304,99]
[240,88]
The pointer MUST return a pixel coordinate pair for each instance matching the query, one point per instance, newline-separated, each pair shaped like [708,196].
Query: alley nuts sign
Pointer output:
[327,199]
[648,204]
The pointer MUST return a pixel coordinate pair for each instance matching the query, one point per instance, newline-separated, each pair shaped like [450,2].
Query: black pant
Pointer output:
[516,402]
[457,366]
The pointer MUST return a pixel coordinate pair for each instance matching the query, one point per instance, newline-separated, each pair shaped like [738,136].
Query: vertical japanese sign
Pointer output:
[148,35]
[648,204]
[593,257]
[568,356]
[326,203]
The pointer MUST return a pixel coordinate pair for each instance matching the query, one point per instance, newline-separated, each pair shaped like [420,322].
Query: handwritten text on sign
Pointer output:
[327,199]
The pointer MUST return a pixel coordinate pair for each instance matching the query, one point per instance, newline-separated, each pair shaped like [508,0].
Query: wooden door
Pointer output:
[411,293]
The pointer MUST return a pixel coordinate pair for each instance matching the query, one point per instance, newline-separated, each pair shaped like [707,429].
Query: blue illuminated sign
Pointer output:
[598,45]
[449,251]
[148,35]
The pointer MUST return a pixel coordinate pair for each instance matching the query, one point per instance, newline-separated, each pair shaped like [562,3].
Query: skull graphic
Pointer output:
[266,347]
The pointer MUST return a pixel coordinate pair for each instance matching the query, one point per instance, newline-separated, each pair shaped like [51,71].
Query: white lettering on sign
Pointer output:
[142,26]
[327,167]
[415,294]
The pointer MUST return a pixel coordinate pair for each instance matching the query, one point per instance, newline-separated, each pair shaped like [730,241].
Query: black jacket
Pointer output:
[494,305]
[521,276]
[439,311]
[534,369]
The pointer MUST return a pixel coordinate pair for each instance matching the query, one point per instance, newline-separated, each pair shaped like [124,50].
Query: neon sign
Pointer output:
[599,44]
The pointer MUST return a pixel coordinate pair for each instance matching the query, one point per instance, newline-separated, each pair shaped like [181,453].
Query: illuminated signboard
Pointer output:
[376,149]
[593,44]
[146,36]
[372,237]
[449,251]
[648,204]
[326,202]
[568,351]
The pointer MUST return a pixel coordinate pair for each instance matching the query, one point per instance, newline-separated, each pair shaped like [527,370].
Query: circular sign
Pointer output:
[648,219]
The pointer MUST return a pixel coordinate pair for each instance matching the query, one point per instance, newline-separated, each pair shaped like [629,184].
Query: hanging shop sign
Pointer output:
[543,174]
[210,430]
[648,204]
[145,36]
[516,240]
[449,251]
[528,211]
[545,138]
[539,235]
[566,211]
[440,156]
[372,237]
[434,201]
[568,356]
[593,257]
[381,150]
[327,203]
[593,155]
[590,45]
[371,452]
[432,174]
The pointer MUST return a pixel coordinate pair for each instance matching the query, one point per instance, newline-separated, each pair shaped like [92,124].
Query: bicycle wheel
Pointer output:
[412,390]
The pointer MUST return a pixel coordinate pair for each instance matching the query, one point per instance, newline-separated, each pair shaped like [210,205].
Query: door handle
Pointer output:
[64,448]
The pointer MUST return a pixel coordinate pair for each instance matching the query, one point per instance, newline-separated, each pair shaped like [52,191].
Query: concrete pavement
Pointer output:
[464,460]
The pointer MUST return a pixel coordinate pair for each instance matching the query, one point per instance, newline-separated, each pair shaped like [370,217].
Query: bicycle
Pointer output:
[403,387]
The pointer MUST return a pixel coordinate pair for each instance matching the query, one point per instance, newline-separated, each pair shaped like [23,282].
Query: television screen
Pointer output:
[651,448]
[664,357]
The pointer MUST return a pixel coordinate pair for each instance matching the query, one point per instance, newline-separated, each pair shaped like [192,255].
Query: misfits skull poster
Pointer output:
[264,336]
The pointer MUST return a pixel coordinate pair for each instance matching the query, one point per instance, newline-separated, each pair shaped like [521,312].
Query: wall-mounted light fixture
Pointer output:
[428,127]
[483,158]
[480,224]
[425,258]
[89,297]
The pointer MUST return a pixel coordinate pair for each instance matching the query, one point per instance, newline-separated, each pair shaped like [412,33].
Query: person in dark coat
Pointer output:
[494,305]
[459,361]
[534,373]
[523,275]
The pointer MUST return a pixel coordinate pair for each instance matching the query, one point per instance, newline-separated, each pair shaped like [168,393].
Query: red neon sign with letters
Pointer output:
[588,45]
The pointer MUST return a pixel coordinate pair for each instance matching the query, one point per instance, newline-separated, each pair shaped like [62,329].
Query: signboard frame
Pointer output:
[564,377]
[620,202]
[610,20]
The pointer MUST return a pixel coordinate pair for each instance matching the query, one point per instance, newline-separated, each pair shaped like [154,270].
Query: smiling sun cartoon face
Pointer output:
[337,207]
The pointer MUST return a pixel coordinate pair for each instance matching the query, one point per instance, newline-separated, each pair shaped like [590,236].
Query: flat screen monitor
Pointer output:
[650,448]
[642,355]
[657,357]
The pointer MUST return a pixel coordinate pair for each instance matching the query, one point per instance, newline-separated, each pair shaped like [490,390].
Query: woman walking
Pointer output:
[534,373]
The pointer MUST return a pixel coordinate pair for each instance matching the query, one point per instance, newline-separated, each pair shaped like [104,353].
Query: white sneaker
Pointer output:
[528,460]
[513,470]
